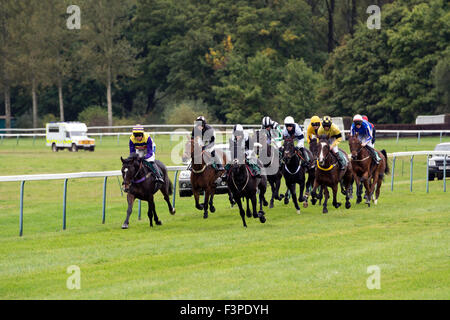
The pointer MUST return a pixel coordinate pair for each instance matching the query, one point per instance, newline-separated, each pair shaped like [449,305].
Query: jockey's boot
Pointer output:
[374,154]
[340,159]
[157,173]
[307,162]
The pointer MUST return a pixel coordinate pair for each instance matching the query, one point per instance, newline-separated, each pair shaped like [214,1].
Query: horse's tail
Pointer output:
[386,169]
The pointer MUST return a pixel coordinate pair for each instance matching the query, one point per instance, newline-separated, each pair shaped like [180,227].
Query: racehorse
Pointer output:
[294,172]
[366,171]
[328,174]
[139,182]
[267,156]
[242,184]
[203,177]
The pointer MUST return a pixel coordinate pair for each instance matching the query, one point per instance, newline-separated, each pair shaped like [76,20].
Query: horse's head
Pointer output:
[355,146]
[130,168]
[323,150]
[187,150]
[289,149]
[314,146]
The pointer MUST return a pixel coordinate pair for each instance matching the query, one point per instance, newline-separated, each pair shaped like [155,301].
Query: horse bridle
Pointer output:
[246,182]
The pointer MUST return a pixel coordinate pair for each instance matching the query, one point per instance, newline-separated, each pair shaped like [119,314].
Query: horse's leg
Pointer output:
[302,198]
[165,192]
[327,195]
[286,196]
[366,182]
[294,197]
[248,212]
[241,211]
[335,189]
[278,196]
[197,198]
[211,201]
[130,200]
[230,198]
[377,194]
[155,216]
[205,204]
[151,208]
[262,192]
[273,187]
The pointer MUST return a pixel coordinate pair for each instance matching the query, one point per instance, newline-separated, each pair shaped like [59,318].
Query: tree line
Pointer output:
[233,61]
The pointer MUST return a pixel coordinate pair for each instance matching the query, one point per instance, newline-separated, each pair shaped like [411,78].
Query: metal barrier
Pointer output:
[416,153]
[77,175]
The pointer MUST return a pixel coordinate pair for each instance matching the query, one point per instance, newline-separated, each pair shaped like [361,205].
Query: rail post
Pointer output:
[174,188]
[440,137]
[104,200]
[21,208]
[139,209]
[418,137]
[392,174]
[398,136]
[445,172]
[64,203]
[428,173]
[411,173]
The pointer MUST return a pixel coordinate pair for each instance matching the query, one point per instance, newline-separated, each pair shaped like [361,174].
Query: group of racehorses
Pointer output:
[322,171]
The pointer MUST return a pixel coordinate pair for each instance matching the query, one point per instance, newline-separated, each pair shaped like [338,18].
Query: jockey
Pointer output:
[142,144]
[294,131]
[206,139]
[313,127]
[364,131]
[334,135]
[273,131]
[373,129]
[241,144]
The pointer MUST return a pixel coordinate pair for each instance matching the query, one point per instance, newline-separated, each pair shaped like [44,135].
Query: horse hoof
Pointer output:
[265,203]
[313,201]
[212,209]
[124,226]
[280,197]
[305,204]
[298,212]
[205,216]
[158,223]
[271,204]
[375,202]
[348,205]
[359,200]
[255,215]
[173,211]
[337,205]
[199,207]
[325,210]
[262,219]
[286,200]
[249,214]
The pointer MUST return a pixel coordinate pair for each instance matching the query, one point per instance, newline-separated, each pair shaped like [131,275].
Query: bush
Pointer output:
[186,111]
[94,116]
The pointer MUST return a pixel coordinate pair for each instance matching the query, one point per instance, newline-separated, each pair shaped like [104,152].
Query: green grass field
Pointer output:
[307,256]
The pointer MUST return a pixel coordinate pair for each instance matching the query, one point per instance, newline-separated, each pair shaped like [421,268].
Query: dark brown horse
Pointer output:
[295,173]
[367,171]
[314,148]
[328,174]
[139,182]
[242,184]
[270,158]
[203,176]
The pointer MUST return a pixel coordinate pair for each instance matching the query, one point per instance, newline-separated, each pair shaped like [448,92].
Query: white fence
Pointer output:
[395,155]
[77,175]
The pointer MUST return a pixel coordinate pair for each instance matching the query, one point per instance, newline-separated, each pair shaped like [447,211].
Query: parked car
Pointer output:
[184,181]
[436,163]
[69,135]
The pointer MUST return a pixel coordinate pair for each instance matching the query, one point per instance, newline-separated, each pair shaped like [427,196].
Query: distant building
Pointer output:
[435,119]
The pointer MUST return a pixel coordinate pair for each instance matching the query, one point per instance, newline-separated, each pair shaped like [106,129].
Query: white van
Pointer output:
[70,135]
